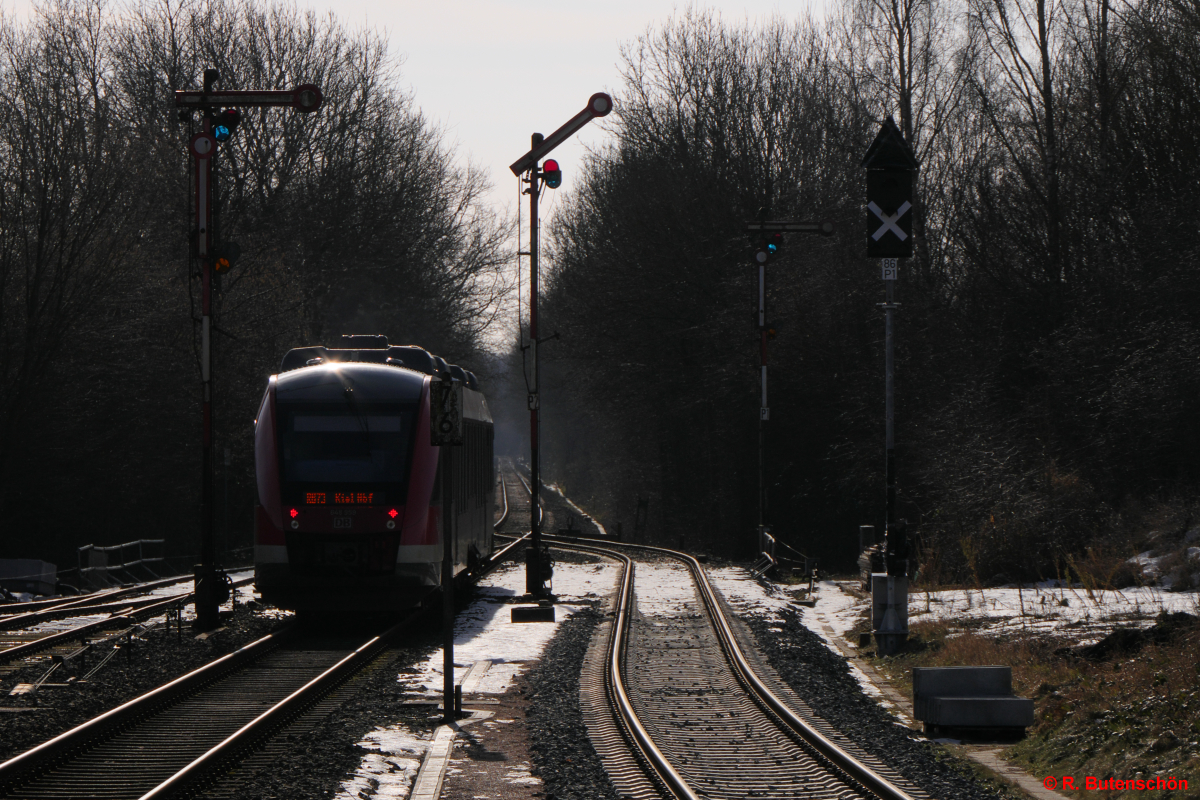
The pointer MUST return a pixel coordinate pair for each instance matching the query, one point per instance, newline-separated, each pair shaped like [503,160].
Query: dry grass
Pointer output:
[1136,713]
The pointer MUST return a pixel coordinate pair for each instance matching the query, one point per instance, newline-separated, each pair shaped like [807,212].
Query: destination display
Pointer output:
[342,498]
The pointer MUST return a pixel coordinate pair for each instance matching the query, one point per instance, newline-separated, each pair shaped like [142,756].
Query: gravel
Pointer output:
[313,763]
[822,679]
[563,754]
[568,765]
[310,767]
[155,658]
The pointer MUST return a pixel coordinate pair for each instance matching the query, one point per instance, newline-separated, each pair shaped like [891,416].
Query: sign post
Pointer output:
[598,105]
[766,236]
[203,146]
[446,432]
[891,168]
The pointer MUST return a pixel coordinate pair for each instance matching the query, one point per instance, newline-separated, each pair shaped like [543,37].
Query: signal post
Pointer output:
[891,168]
[766,237]
[221,117]
[599,105]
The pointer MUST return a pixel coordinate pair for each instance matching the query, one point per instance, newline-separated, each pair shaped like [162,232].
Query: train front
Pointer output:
[345,480]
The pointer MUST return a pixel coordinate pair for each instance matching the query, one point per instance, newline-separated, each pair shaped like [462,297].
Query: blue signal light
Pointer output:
[225,123]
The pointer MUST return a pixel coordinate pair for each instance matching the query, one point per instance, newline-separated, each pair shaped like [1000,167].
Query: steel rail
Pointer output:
[279,714]
[614,679]
[503,517]
[46,642]
[81,736]
[294,704]
[36,617]
[15,611]
[495,558]
[26,765]
[614,676]
[541,509]
[789,720]
[502,553]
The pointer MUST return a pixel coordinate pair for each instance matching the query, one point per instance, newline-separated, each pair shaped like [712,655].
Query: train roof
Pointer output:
[376,350]
[335,382]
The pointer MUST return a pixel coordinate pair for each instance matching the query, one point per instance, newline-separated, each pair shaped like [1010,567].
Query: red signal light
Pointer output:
[393,513]
[552,173]
[295,513]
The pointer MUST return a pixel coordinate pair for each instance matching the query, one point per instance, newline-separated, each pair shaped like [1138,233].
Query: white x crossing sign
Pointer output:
[890,166]
[889,220]
[889,214]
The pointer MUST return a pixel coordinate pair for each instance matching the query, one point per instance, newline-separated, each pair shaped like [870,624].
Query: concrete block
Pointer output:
[962,681]
[28,575]
[976,712]
[533,614]
[879,598]
[969,697]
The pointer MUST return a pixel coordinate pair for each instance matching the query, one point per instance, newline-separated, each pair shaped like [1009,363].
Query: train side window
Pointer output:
[478,465]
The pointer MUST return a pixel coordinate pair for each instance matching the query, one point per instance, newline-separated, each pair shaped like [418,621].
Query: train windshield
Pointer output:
[344,453]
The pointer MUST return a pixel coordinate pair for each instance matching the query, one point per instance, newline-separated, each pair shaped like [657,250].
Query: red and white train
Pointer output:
[349,486]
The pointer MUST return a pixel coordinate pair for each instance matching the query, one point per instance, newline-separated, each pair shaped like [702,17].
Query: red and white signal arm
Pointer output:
[600,104]
[203,145]
[307,98]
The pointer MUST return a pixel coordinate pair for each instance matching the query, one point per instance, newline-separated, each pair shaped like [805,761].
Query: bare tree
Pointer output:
[357,216]
[1017,82]
[67,216]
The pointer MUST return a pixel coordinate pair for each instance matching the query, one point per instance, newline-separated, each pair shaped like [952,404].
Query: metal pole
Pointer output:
[763,411]
[534,584]
[207,616]
[225,506]
[893,628]
[889,403]
[447,585]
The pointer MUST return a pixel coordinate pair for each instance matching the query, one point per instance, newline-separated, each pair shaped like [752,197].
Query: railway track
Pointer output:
[512,481]
[679,709]
[174,739]
[17,614]
[121,614]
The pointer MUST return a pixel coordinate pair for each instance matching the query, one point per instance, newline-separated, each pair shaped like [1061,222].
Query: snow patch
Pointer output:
[390,767]
[1071,613]
[554,488]
[664,589]
[485,631]
[834,614]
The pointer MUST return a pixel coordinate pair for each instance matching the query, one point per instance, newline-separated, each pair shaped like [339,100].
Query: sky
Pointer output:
[492,72]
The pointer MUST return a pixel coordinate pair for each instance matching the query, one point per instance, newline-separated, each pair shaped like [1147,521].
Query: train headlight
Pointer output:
[391,524]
